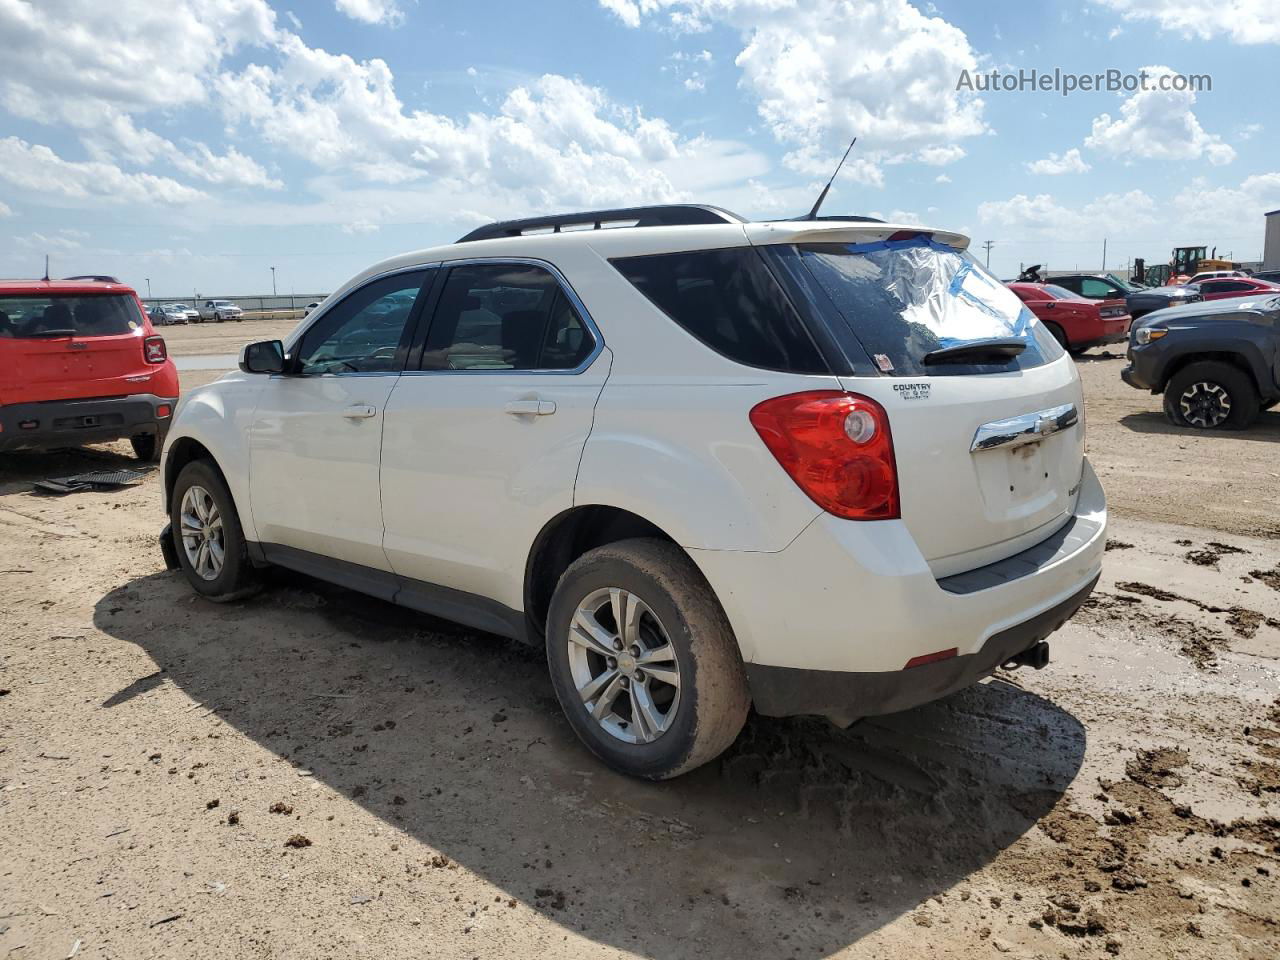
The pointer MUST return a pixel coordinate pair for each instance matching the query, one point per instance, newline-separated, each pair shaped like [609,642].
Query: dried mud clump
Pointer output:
[1157,768]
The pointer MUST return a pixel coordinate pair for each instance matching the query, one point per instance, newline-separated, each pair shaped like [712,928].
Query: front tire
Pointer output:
[1211,396]
[211,547]
[643,660]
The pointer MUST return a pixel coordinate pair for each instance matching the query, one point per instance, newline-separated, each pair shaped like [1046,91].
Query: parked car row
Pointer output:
[1210,347]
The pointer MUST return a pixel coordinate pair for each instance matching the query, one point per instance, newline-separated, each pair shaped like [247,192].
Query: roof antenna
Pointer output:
[813,214]
[46,268]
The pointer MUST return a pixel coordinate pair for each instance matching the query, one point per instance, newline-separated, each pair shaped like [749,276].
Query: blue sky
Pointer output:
[200,142]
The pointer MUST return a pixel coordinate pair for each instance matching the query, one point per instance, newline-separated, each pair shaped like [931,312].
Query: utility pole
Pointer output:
[987,244]
[273,281]
[1104,254]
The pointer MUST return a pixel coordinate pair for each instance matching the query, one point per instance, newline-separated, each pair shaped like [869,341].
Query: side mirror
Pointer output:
[265,356]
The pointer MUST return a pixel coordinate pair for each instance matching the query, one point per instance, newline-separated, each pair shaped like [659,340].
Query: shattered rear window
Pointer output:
[903,299]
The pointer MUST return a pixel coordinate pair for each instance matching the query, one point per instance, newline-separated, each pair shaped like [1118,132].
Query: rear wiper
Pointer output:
[51,333]
[999,349]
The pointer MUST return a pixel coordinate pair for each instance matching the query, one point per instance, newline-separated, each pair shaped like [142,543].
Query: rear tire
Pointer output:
[202,512]
[672,694]
[1059,335]
[146,447]
[1211,396]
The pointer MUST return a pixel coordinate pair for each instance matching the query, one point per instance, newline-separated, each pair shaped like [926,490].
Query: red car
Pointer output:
[81,363]
[1075,322]
[1222,288]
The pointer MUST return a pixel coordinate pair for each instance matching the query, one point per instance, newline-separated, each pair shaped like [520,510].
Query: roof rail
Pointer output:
[668,215]
[97,277]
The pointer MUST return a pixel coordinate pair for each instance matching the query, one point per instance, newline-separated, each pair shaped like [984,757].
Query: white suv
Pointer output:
[826,467]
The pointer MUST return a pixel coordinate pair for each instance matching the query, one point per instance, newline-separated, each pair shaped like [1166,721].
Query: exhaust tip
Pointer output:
[1036,657]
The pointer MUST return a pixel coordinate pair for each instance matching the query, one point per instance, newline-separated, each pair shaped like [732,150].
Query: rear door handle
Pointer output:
[531,408]
[360,411]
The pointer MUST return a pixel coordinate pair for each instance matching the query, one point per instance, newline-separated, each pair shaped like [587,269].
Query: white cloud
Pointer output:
[825,71]
[60,241]
[372,11]
[1224,211]
[359,227]
[1042,214]
[1158,124]
[552,141]
[37,168]
[74,56]
[91,66]
[940,156]
[5,210]
[942,178]
[1242,21]
[1052,165]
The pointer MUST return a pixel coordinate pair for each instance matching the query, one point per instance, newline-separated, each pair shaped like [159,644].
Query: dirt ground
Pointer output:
[311,773]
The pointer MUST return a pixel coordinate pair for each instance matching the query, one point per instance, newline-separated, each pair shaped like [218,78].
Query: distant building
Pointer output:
[1271,250]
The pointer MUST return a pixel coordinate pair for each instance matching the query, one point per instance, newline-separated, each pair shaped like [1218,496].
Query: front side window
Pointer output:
[363,332]
[505,316]
[63,315]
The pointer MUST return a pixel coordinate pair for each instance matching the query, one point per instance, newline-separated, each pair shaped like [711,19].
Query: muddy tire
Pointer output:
[1211,396]
[211,547]
[643,660]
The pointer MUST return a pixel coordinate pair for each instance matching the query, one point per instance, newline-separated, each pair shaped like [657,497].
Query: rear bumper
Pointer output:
[859,601]
[65,423]
[845,697]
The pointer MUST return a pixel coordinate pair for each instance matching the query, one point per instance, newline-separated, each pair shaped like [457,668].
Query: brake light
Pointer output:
[837,448]
[153,350]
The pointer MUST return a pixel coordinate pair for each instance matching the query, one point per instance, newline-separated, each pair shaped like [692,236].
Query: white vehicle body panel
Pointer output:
[467,484]
[314,448]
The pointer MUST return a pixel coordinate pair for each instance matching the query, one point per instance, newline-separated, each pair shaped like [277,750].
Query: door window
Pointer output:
[1097,289]
[363,333]
[505,316]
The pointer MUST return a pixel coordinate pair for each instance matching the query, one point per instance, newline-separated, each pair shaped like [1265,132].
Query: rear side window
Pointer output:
[63,315]
[1097,289]
[505,316]
[730,301]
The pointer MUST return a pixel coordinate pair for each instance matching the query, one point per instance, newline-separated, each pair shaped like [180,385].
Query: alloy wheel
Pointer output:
[624,666]
[202,534]
[1205,404]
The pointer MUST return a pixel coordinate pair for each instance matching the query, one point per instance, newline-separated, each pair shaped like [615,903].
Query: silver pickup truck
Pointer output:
[220,310]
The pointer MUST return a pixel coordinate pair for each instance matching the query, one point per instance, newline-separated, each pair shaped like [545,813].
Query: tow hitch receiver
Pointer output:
[1037,657]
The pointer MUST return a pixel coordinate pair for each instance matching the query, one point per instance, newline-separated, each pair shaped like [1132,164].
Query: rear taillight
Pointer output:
[153,350]
[837,448]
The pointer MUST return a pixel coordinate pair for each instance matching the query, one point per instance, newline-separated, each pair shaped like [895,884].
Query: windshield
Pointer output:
[1122,284]
[906,299]
[65,315]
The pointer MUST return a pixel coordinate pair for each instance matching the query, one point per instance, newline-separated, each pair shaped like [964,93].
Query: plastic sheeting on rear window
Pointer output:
[904,299]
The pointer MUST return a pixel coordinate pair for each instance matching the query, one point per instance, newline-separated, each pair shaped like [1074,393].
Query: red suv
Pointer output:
[81,363]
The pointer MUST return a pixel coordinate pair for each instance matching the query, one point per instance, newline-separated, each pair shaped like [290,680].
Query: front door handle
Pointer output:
[531,408]
[360,411]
